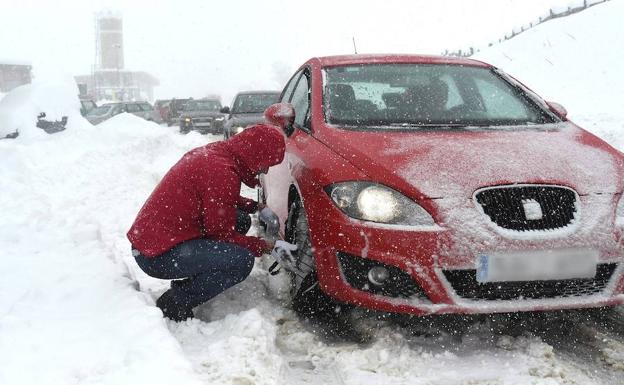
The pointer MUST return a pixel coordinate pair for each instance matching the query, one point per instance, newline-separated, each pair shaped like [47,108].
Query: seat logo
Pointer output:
[532,210]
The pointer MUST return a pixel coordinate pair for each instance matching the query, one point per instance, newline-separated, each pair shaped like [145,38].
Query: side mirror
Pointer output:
[225,110]
[558,109]
[281,115]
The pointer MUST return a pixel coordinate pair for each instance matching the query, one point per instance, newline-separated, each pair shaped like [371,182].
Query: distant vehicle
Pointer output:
[203,116]
[162,107]
[175,108]
[107,111]
[247,109]
[86,105]
[430,185]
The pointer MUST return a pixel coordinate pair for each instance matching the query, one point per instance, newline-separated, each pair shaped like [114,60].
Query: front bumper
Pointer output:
[203,126]
[440,263]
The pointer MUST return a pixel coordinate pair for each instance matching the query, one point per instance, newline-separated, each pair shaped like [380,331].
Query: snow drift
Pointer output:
[20,107]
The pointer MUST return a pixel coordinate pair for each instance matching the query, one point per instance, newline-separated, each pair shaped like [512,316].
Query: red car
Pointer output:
[430,185]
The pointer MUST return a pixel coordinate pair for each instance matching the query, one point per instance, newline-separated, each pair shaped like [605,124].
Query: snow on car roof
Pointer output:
[328,61]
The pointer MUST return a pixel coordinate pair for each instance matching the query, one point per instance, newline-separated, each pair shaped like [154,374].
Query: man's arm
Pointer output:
[247,205]
[219,212]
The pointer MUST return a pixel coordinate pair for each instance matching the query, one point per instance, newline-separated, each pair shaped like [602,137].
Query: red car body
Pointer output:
[443,171]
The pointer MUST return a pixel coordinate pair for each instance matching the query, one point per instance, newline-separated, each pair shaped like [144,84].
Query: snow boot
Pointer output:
[174,307]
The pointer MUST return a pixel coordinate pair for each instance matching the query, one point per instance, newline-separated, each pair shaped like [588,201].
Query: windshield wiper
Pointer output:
[433,125]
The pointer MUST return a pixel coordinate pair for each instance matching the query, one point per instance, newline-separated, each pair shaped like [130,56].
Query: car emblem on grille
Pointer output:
[532,210]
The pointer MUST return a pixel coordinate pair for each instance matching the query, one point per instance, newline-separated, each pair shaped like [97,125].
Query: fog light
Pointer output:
[378,275]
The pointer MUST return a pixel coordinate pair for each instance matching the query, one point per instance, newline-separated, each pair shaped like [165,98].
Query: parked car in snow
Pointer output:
[203,116]
[107,111]
[86,105]
[247,109]
[162,107]
[176,106]
[430,185]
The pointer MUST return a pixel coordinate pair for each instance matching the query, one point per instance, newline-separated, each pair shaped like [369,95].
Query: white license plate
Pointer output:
[543,265]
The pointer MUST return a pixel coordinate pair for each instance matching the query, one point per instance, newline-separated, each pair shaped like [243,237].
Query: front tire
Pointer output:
[308,299]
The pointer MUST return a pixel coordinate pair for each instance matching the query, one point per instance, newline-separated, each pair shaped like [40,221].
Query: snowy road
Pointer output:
[69,289]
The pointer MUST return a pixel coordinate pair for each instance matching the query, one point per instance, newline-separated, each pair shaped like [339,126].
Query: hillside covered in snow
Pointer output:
[575,61]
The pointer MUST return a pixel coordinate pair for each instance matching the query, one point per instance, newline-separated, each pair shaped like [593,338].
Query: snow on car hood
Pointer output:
[442,163]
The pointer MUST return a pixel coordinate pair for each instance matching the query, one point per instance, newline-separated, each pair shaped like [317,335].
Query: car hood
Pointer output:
[245,119]
[203,114]
[445,163]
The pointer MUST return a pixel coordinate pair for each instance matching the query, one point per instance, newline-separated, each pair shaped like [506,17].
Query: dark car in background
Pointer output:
[247,109]
[203,116]
[175,108]
[106,111]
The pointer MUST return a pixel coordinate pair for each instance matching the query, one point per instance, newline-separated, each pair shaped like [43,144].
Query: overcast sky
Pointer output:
[200,47]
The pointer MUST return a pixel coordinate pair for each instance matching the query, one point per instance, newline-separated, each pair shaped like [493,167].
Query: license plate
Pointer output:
[202,124]
[543,265]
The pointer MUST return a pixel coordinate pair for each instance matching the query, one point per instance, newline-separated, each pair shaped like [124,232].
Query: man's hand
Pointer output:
[269,246]
[260,206]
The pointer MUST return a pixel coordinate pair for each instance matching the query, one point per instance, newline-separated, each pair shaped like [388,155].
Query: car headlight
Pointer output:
[220,119]
[377,203]
[619,212]
[188,120]
[239,129]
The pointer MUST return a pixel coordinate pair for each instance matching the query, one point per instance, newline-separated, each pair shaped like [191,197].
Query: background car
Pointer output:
[162,107]
[203,116]
[86,105]
[107,111]
[175,108]
[430,185]
[247,109]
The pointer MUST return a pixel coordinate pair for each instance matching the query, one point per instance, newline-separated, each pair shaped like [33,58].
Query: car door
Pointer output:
[281,177]
[134,109]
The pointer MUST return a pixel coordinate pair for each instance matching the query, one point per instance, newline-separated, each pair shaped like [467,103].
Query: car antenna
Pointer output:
[354,46]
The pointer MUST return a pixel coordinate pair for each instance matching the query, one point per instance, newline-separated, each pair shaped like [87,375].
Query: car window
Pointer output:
[202,105]
[500,102]
[287,93]
[100,111]
[253,103]
[301,101]
[132,107]
[414,95]
[146,107]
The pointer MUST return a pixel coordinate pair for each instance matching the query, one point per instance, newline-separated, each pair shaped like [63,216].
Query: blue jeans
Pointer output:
[202,268]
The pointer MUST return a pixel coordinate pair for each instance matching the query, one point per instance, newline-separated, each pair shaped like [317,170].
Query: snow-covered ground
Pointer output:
[75,309]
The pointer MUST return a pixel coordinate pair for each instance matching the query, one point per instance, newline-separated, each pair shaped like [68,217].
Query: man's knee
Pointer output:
[243,266]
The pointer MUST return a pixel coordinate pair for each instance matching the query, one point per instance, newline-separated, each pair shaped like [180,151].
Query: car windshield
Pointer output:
[100,111]
[202,105]
[253,103]
[426,95]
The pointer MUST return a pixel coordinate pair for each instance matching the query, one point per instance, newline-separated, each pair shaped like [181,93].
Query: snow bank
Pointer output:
[20,107]
[70,311]
[575,61]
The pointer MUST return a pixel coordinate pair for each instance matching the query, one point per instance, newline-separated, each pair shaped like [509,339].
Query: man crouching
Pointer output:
[191,228]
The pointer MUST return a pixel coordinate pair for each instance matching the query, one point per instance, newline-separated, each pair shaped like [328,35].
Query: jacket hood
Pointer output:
[256,149]
[446,164]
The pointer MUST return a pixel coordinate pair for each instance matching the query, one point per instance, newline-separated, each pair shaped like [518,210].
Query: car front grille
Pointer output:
[465,284]
[202,121]
[506,206]
[400,284]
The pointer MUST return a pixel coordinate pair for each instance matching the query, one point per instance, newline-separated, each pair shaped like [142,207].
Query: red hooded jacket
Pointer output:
[199,196]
